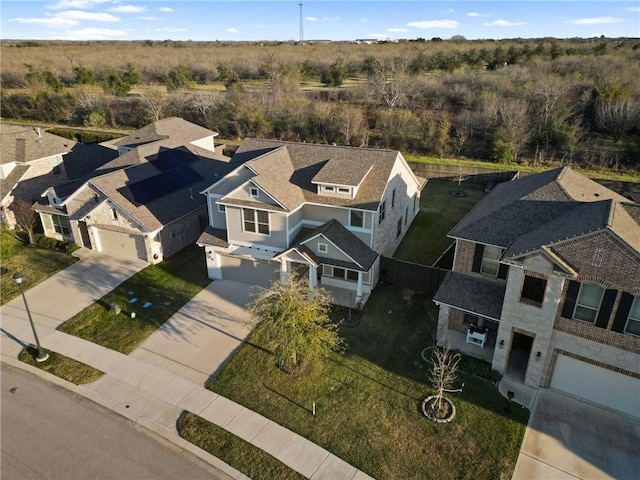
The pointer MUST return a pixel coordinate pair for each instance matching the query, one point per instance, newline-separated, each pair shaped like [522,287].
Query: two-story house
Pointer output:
[142,201]
[546,278]
[323,211]
[31,160]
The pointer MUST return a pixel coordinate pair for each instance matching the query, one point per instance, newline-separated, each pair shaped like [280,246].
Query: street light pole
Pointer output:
[42,355]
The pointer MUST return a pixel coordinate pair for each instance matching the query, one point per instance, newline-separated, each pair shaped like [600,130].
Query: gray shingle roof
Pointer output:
[342,173]
[542,209]
[214,236]
[84,161]
[22,144]
[174,128]
[10,181]
[286,171]
[471,294]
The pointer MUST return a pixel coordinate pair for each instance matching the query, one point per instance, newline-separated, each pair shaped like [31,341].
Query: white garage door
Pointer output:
[122,244]
[249,272]
[597,384]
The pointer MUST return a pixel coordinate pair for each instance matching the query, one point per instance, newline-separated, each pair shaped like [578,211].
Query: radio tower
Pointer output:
[301,30]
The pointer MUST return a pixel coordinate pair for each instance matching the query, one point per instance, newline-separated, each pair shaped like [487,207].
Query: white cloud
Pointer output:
[632,9]
[397,30]
[62,4]
[128,9]
[434,24]
[50,21]
[81,15]
[151,19]
[593,21]
[476,14]
[166,9]
[232,30]
[503,23]
[312,19]
[170,29]
[94,34]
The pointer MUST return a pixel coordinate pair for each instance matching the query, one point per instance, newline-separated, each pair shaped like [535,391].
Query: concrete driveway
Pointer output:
[567,438]
[198,340]
[70,291]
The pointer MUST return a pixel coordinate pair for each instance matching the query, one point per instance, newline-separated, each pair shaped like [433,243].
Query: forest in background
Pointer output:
[536,102]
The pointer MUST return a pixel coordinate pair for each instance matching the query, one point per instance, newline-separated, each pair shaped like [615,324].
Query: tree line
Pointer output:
[535,101]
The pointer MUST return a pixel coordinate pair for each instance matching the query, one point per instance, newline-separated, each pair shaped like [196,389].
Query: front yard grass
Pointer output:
[439,212]
[36,264]
[168,286]
[255,463]
[368,401]
[64,367]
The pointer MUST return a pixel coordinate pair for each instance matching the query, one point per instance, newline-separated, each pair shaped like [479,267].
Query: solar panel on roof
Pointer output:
[169,159]
[160,185]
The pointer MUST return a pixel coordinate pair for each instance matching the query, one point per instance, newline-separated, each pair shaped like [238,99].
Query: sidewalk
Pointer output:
[155,397]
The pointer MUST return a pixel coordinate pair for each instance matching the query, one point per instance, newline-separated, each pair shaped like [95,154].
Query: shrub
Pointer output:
[501,152]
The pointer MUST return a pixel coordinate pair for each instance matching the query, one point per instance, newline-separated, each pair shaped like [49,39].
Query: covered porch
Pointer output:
[458,341]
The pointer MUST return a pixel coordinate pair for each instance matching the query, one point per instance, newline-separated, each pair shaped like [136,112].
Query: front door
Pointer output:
[519,356]
[84,234]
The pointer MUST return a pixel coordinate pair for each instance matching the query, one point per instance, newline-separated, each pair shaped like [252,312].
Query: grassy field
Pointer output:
[168,286]
[427,238]
[36,264]
[255,463]
[368,401]
[64,367]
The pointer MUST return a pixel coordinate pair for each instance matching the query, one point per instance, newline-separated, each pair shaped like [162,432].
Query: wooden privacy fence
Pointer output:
[417,277]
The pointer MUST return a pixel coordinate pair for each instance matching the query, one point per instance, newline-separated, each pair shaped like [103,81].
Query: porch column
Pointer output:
[313,276]
[284,270]
[359,288]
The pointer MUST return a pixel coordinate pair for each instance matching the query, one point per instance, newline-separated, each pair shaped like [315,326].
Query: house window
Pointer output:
[490,260]
[471,320]
[357,218]
[399,227]
[344,274]
[533,289]
[633,322]
[327,188]
[343,190]
[393,198]
[588,302]
[61,225]
[221,208]
[415,202]
[383,211]
[114,214]
[253,191]
[256,221]
[322,248]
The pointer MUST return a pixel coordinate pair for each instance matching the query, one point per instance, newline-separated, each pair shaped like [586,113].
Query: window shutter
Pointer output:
[570,299]
[623,312]
[605,308]
[503,271]
[477,257]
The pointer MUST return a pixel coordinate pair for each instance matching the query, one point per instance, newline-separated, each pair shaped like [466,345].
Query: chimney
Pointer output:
[21,150]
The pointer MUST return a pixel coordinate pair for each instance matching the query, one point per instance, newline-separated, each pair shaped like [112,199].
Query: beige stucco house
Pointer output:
[546,281]
[325,212]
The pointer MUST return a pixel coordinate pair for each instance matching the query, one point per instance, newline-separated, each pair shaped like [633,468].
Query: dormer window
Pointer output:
[322,248]
[344,190]
[253,191]
[328,188]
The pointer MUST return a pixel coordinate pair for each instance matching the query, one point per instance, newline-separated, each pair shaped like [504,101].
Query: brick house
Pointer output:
[31,160]
[325,212]
[137,197]
[546,284]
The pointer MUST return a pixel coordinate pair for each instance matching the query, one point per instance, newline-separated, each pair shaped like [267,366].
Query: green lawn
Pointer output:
[168,286]
[64,367]
[234,451]
[439,212]
[368,401]
[36,264]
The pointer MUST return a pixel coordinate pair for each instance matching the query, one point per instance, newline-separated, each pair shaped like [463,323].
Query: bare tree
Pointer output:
[155,101]
[462,130]
[203,102]
[443,373]
[617,116]
[514,124]
[26,217]
[392,84]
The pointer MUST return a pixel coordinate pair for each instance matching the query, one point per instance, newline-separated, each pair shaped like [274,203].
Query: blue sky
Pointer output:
[322,19]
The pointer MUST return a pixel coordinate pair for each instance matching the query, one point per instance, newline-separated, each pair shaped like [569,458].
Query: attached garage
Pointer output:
[596,384]
[122,244]
[252,272]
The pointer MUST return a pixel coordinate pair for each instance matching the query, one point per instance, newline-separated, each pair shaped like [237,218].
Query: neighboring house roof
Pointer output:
[23,144]
[362,256]
[540,210]
[289,171]
[173,128]
[471,294]
[10,181]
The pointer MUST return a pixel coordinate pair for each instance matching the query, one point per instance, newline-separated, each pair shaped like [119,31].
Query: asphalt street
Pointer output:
[51,433]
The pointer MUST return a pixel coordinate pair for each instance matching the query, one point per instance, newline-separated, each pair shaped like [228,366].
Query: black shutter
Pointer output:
[570,299]
[503,271]
[623,312]
[605,308]
[477,257]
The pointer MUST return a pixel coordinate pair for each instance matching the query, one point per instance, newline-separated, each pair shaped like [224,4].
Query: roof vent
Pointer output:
[596,195]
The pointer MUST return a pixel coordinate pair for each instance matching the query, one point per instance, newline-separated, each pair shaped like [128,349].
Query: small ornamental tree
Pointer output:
[444,372]
[294,321]
[26,217]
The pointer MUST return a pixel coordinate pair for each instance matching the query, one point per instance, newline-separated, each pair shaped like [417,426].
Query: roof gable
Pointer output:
[25,144]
